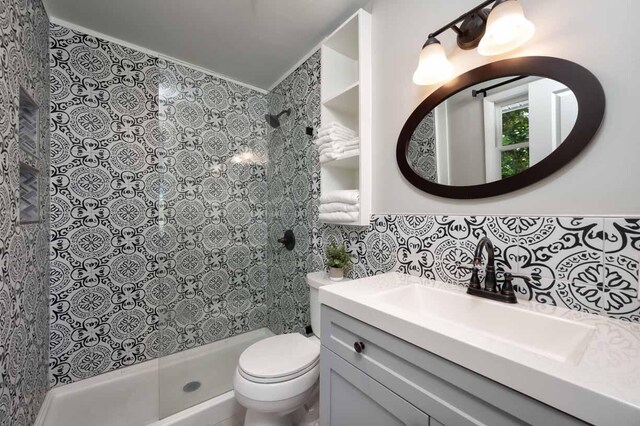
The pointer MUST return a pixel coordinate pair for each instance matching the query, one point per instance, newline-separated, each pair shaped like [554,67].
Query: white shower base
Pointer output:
[141,394]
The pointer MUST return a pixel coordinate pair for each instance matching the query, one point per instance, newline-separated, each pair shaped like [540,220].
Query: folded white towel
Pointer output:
[331,139]
[338,147]
[337,132]
[331,156]
[339,207]
[339,217]
[348,196]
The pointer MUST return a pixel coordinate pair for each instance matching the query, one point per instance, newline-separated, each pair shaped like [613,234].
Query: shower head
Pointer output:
[274,120]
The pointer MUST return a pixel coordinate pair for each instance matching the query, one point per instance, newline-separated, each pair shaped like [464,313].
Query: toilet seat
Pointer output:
[279,359]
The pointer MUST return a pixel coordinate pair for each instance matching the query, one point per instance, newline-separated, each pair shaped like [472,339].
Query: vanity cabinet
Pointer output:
[391,381]
[357,399]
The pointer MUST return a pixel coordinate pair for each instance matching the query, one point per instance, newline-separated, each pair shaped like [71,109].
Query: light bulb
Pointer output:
[433,67]
[507,29]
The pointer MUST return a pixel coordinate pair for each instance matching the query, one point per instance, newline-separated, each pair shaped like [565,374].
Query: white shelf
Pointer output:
[351,162]
[344,223]
[346,99]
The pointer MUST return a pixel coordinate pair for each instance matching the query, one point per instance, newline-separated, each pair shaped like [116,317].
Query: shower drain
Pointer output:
[191,386]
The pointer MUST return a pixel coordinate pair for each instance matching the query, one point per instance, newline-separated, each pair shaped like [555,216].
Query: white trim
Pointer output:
[441,124]
[44,6]
[311,52]
[492,106]
[150,52]
[295,67]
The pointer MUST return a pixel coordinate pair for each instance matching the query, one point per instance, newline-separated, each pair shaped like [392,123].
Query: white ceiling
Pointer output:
[251,41]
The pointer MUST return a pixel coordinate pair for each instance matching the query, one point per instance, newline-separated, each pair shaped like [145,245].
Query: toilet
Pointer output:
[276,379]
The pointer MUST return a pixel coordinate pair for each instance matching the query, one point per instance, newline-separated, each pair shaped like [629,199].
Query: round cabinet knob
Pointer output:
[358,346]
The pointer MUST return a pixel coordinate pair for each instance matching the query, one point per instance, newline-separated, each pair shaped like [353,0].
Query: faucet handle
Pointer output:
[510,276]
[474,282]
[469,268]
[507,287]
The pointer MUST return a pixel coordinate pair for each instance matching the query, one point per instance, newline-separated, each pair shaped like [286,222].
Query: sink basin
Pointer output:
[552,337]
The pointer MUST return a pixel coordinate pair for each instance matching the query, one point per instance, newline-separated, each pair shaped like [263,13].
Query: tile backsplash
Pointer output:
[586,264]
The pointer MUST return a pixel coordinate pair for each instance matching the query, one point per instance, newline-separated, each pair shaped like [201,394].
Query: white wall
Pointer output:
[603,180]
[465,119]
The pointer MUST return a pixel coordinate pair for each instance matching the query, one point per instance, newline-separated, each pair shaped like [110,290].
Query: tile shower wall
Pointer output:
[24,322]
[293,182]
[158,212]
[214,238]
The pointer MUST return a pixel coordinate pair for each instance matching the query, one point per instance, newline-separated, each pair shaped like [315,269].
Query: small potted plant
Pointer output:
[337,260]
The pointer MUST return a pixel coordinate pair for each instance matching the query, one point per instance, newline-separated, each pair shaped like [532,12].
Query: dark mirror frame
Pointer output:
[591,106]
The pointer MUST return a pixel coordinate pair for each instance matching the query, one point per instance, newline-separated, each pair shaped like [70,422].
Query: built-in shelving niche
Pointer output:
[28,140]
[28,121]
[346,99]
[29,195]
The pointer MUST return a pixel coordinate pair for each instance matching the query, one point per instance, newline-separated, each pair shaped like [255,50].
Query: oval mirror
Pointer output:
[500,127]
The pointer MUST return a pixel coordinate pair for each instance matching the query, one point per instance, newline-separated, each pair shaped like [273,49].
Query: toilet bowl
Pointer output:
[277,376]
[276,379]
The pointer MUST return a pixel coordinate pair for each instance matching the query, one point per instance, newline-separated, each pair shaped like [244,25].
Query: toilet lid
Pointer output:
[279,358]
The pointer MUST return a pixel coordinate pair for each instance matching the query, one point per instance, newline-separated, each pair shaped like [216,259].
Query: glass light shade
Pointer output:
[433,67]
[507,29]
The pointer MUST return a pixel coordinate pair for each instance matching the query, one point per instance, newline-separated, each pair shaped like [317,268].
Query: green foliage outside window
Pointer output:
[515,130]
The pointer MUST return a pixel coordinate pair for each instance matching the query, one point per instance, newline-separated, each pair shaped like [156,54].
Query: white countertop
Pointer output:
[601,387]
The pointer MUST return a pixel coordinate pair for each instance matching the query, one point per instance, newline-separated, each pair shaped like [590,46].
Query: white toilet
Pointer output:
[277,378]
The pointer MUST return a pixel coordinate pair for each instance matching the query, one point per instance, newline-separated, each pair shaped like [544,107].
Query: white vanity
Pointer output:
[399,349]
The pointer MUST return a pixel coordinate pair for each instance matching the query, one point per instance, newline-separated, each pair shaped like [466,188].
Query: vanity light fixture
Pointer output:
[507,29]
[433,66]
[493,31]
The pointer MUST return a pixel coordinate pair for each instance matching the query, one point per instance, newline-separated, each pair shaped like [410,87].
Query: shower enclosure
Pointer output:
[165,223]
[210,272]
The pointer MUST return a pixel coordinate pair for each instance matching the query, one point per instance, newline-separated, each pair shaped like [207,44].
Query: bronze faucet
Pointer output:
[490,290]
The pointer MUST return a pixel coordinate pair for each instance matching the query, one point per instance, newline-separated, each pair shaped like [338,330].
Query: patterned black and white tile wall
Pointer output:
[421,153]
[158,207]
[585,264]
[293,186]
[214,229]
[24,265]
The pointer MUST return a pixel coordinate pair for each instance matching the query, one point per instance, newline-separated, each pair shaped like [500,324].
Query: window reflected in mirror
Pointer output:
[492,131]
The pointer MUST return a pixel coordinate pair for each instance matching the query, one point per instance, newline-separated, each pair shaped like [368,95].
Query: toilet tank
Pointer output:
[315,280]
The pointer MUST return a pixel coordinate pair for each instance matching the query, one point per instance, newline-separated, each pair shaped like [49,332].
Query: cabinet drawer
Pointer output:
[348,397]
[446,391]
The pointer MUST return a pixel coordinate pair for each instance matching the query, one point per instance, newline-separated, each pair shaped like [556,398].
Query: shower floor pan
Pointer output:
[189,388]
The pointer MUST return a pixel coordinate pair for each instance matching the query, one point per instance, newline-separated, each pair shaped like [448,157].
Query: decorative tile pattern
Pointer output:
[29,196]
[590,265]
[24,319]
[421,154]
[290,192]
[158,200]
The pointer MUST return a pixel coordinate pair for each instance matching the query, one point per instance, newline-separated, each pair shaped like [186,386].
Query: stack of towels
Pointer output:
[340,206]
[336,141]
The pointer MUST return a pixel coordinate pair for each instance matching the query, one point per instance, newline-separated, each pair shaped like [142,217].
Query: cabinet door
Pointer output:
[348,397]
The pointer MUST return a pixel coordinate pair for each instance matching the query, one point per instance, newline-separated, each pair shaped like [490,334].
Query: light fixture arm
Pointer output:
[494,31]
[453,24]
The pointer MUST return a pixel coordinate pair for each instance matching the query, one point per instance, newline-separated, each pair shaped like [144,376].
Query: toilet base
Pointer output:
[257,418]
[307,415]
